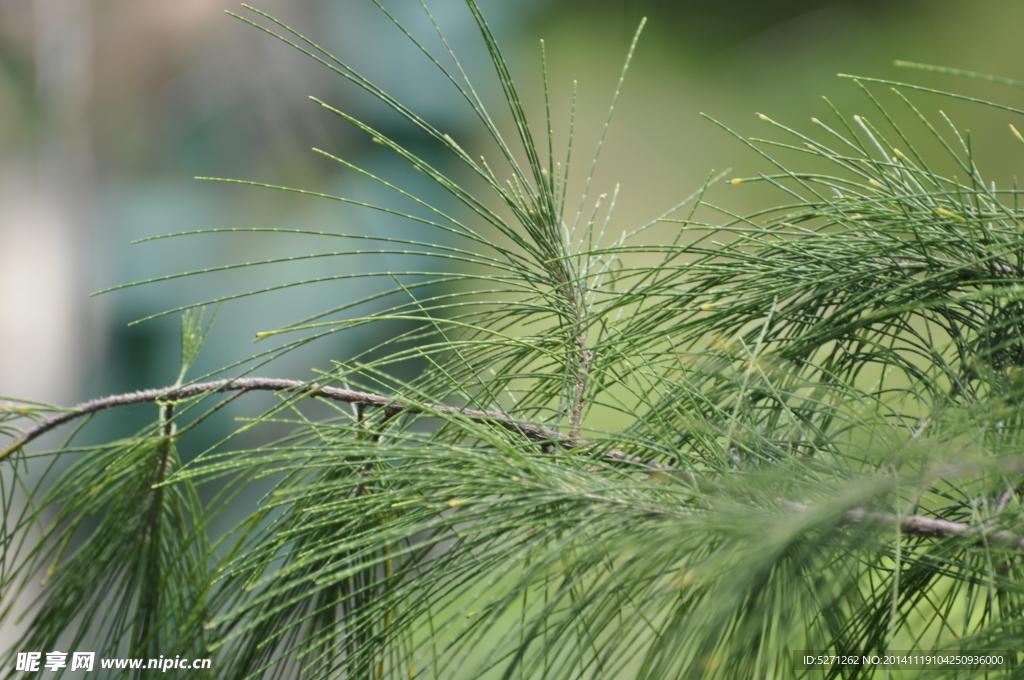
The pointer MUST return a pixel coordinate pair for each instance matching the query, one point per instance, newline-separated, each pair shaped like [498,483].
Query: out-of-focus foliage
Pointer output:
[788,429]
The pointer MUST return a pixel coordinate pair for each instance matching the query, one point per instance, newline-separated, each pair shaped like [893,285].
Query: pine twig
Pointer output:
[1007,496]
[581,385]
[919,525]
[390,406]
[912,525]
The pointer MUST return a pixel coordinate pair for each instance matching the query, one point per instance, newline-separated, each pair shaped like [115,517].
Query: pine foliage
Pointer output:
[798,429]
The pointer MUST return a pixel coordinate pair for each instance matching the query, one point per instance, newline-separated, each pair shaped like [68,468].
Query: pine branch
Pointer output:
[912,525]
[362,400]
[581,385]
[1007,496]
[927,527]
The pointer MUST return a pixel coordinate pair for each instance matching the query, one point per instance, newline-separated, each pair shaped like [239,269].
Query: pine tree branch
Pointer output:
[928,527]
[581,385]
[912,525]
[362,400]
[1007,496]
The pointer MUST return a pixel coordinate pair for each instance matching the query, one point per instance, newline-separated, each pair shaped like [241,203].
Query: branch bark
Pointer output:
[581,385]
[362,400]
[912,525]
[929,527]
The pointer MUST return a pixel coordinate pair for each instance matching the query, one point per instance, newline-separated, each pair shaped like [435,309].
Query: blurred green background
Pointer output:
[109,108]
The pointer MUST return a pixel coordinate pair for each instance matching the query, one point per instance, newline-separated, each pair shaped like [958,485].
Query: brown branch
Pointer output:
[361,400]
[581,385]
[933,527]
[919,525]
[1007,496]
[912,525]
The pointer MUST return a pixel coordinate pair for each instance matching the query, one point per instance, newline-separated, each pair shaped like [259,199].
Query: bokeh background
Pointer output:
[109,108]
